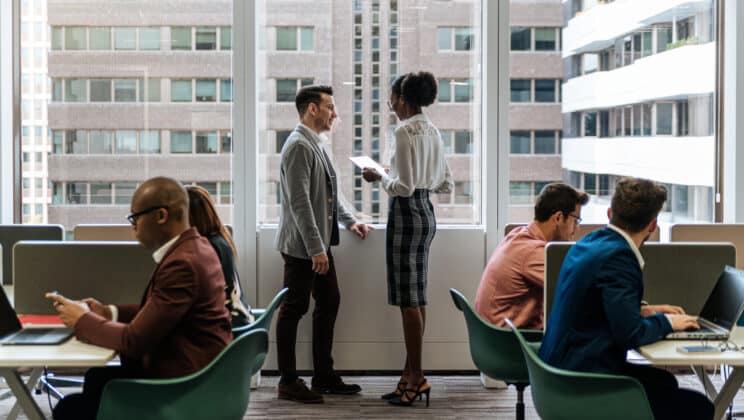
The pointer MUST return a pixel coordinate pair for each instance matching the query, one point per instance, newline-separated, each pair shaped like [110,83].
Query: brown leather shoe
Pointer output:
[298,391]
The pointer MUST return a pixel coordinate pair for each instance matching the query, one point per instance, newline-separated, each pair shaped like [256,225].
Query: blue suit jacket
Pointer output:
[595,318]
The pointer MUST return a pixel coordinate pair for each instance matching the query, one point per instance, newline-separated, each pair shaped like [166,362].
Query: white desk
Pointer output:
[73,353]
[665,353]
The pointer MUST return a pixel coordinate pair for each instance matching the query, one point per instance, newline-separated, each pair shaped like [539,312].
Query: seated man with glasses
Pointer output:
[181,323]
[512,283]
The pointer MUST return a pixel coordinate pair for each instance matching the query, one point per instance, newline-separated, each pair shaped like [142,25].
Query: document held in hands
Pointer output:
[367,162]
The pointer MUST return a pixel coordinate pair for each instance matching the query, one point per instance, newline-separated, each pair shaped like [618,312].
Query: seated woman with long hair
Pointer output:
[203,216]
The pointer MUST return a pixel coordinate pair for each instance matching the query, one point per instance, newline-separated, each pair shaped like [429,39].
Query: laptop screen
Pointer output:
[724,305]
[8,319]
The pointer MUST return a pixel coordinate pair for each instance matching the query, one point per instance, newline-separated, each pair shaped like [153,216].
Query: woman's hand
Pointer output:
[371,175]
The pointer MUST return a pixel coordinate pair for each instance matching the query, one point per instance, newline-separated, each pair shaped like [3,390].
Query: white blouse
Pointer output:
[418,160]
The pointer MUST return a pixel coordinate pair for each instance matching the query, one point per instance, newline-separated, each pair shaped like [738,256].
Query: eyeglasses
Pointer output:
[578,219]
[132,218]
[390,106]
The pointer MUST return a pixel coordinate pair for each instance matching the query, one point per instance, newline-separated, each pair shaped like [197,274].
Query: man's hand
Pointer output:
[649,310]
[70,311]
[371,175]
[320,263]
[98,308]
[683,322]
[361,229]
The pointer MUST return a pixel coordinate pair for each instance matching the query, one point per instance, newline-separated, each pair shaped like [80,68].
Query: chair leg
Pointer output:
[520,401]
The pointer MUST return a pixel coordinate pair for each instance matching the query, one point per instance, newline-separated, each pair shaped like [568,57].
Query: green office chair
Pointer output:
[220,391]
[567,395]
[263,316]
[495,351]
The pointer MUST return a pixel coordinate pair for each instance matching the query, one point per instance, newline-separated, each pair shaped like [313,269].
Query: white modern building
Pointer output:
[638,100]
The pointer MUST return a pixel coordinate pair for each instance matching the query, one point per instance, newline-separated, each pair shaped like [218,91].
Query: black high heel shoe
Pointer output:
[397,393]
[411,394]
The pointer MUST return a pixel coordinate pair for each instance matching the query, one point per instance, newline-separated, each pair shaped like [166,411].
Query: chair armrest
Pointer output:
[257,312]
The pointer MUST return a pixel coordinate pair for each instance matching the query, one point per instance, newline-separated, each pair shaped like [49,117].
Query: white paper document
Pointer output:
[367,162]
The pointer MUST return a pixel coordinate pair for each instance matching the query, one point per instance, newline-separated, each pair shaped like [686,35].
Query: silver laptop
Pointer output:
[12,332]
[721,311]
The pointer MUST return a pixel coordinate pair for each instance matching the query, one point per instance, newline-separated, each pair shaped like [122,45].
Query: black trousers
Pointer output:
[84,406]
[302,282]
[667,399]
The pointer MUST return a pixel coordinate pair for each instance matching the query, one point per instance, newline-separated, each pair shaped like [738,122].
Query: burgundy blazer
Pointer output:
[182,322]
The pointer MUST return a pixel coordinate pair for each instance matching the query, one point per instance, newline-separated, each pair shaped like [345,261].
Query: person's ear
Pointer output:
[609,213]
[162,216]
[652,226]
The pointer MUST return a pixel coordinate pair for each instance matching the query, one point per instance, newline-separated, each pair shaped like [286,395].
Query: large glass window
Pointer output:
[181,142]
[206,90]
[125,90]
[520,90]
[180,38]
[125,38]
[545,39]
[100,90]
[149,38]
[206,38]
[379,34]
[75,38]
[76,90]
[181,91]
[100,38]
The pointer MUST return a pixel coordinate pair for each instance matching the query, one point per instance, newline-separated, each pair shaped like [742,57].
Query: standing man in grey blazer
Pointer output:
[308,228]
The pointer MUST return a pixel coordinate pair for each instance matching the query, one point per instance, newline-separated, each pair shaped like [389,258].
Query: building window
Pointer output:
[664,118]
[149,142]
[545,90]
[463,142]
[226,90]
[520,142]
[75,38]
[590,124]
[76,142]
[545,142]
[293,38]
[100,38]
[100,142]
[76,90]
[100,90]
[520,192]
[225,38]
[206,142]
[226,142]
[100,193]
[125,38]
[454,39]
[520,90]
[125,90]
[445,91]
[281,138]
[181,91]
[149,39]
[181,142]
[149,90]
[181,38]
[206,38]
[521,39]
[126,142]
[546,39]
[286,89]
[206,90]
[463,192]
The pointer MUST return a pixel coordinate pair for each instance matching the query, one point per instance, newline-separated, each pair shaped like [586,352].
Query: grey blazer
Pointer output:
[308,194]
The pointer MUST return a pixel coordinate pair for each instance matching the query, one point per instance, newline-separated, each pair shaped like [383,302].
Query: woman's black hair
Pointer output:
[418,89]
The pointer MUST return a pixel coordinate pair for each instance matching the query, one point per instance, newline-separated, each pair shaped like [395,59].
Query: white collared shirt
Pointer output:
[418,159]
[160,252]
[630,242]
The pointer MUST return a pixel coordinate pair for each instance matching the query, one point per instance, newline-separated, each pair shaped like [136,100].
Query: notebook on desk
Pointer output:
[721,311]
[12,332]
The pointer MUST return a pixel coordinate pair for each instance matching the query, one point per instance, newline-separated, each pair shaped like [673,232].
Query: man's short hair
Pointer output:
[636,202]
[558,197]
[311,95]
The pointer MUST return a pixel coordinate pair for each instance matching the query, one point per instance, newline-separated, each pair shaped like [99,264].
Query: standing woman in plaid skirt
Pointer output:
[418,166]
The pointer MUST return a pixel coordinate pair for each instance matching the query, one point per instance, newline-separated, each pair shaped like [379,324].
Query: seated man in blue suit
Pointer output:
[597,314]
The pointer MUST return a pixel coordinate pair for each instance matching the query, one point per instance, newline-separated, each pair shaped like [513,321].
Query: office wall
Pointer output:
[368,332]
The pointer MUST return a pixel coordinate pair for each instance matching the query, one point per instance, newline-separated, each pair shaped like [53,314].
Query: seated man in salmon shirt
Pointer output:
[512,283]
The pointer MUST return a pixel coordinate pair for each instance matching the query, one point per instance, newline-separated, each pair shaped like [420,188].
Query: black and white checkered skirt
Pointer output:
[410,229]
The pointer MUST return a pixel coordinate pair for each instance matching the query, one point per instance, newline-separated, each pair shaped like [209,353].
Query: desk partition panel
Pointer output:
[112,272]
[10,234]
[675,273]
[109,232]
[718,232]
[583,230]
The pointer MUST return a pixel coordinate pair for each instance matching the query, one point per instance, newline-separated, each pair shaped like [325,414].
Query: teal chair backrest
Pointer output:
[495,351]
[264,315]
[561,394]
[220,391]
